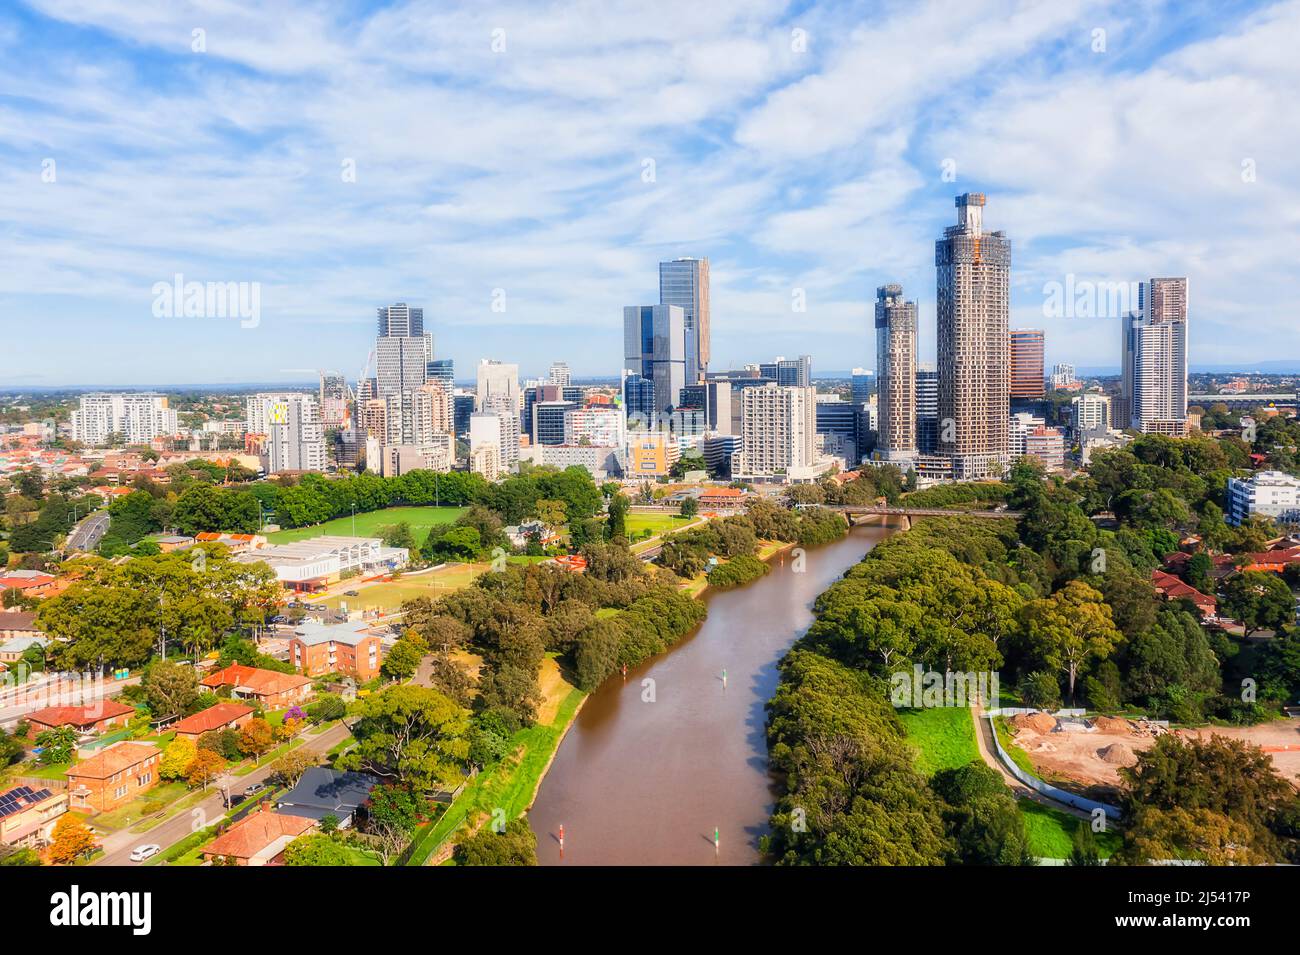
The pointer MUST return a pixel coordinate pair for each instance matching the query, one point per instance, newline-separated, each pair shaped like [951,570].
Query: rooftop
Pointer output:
[327,792]
[311,633]
[80,715]
[256,833]
[114,759]
[214,717]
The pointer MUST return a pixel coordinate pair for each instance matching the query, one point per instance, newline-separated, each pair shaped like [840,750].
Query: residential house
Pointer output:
[223,716]
[113,777]
[1171,588]
[258,839]
[273,690]
[27,815]
[32,583]
[88,719]
[325,792]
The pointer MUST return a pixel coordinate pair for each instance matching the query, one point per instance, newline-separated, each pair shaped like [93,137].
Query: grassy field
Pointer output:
[1050,831]
[944,737]
[369,523]
[391,595]
[511,784]
[656,523]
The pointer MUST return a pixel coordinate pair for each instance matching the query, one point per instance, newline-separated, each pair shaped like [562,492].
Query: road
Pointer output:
[119,845]
[87,535]
[70,691]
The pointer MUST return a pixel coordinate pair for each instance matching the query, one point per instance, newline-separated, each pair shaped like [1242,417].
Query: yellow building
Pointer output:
[651,454]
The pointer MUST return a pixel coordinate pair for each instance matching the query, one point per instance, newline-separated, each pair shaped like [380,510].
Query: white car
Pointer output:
[140,853]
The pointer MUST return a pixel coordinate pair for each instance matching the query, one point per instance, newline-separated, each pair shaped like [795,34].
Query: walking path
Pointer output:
[988,753]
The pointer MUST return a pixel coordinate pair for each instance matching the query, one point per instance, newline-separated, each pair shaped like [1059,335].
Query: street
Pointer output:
[69,690]
[87,535]
[118,846]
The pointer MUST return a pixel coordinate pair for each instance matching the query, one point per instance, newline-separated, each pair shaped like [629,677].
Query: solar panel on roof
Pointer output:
[20,798]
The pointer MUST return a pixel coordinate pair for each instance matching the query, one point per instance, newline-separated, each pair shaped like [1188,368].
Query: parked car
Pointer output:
[140,853]
[254,789]
[352,593]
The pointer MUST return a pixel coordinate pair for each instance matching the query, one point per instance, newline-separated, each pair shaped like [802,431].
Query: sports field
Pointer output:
[390,595]
[369,523]
[656,523]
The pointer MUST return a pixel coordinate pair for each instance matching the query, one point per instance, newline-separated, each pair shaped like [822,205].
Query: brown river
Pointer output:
[650,771]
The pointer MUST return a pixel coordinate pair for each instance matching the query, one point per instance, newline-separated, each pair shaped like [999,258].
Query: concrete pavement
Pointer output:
[87,535]
[119,845]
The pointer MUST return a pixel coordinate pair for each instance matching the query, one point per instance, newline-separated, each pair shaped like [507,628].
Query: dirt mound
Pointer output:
[1112,726]
[1035,722]
[1117,754]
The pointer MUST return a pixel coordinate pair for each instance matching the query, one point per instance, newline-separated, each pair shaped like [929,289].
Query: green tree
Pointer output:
[403,659]
[170,689]
[58,746]
[410,735]
[515,845]
[1259,600]
[316,849]
[1069,629]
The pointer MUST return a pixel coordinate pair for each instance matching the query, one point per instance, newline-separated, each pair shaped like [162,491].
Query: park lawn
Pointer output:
[944,737]
[421,519]
[390,595]
[1049,832]
[656,523]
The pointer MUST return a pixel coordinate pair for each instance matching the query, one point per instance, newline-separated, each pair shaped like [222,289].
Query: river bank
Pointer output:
[656,761]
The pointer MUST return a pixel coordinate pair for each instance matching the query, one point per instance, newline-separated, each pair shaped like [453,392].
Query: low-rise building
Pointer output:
[325,792]
[113,777]
[1171,588]
[351,648]
[1272,494]
[27,815]
[87,719]
[310,565]
[269,688]
[223,716]
[258,839]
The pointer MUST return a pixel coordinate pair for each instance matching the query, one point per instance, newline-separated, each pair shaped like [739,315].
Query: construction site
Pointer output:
[1085,755]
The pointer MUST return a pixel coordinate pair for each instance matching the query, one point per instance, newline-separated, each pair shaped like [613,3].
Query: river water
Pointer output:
[648,771]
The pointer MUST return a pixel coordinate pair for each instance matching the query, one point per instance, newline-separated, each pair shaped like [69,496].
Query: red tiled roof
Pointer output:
[213,718]
[255,833]
[1175,589]
[115,759]
[79,715]
[260,682]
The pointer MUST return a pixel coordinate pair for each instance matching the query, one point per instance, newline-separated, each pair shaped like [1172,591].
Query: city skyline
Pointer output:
[761,156]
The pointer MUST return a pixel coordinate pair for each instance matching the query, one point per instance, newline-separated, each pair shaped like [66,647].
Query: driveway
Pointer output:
[119,845]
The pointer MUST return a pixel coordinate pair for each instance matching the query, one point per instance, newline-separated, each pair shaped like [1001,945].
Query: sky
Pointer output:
[520,169]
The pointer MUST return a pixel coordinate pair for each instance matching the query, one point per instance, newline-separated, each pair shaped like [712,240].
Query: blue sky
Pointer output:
[805,148]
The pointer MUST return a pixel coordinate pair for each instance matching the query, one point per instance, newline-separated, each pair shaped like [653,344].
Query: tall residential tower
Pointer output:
[973,305]
[896,374]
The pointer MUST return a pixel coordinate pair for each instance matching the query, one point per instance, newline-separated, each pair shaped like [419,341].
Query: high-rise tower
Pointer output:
[973,306]
[685,283]
[896,374]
